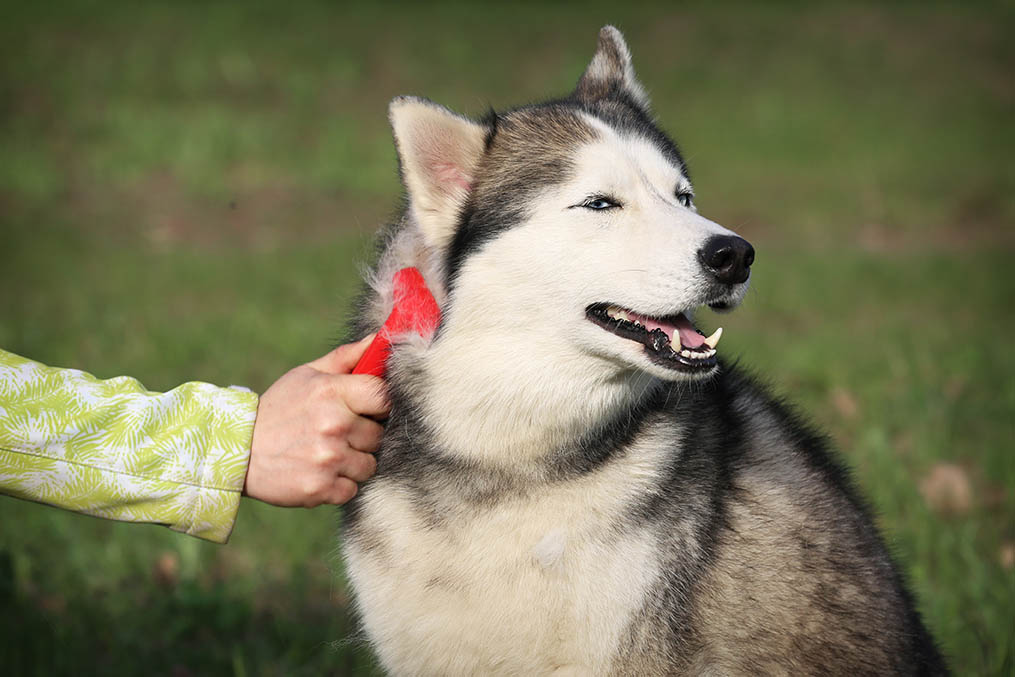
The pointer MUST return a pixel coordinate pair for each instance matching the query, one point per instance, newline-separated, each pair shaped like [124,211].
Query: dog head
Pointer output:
[569,225]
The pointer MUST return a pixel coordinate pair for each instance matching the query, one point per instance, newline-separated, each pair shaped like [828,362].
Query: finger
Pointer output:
[365,435]
[363,394]
[342,359]
[342,490]
[357,466]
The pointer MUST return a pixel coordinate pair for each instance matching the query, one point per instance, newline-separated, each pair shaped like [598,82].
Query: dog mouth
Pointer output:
[671,341]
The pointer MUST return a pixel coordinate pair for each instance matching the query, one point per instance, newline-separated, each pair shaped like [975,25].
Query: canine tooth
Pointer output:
[713,340]
[709,353]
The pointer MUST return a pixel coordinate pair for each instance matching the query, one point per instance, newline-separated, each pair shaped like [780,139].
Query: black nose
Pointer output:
[727,257]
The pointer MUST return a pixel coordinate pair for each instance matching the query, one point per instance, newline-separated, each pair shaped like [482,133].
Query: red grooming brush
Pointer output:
[415,310]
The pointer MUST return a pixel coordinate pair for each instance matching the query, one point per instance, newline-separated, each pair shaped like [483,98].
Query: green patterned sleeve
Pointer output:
[112,449]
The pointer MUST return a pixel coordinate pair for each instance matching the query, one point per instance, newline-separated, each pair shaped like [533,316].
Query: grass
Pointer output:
[186,190]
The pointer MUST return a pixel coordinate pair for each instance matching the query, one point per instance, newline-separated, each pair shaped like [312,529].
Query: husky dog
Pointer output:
[572,481]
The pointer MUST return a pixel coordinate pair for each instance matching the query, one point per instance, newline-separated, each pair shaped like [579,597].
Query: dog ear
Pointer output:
[610,72]
[438,154]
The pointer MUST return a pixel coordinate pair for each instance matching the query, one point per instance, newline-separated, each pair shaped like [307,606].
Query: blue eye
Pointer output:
[599,203]
[685,199]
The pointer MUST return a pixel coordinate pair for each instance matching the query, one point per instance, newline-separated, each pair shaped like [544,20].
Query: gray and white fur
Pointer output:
[562,490]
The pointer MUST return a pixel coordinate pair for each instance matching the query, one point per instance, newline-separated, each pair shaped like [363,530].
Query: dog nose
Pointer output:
[727,257]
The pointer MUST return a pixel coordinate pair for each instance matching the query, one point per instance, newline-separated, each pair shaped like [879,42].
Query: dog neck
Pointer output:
[485,404]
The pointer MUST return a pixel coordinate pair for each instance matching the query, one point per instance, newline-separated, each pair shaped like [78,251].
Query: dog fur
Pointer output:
[554,498]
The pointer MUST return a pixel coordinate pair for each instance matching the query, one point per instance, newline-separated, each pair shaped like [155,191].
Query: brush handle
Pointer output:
[414,310]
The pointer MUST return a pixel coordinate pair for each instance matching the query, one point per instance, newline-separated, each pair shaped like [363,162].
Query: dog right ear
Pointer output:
[438,153]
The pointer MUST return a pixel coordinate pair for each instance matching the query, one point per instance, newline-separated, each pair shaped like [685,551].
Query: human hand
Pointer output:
[315,432]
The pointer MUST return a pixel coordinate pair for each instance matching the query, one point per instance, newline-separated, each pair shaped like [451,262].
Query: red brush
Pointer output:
[415,310]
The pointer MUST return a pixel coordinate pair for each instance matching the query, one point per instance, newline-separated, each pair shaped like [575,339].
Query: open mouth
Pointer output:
[670,341]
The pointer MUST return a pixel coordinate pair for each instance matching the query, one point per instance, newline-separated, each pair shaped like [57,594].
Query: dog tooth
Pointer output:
[713,340]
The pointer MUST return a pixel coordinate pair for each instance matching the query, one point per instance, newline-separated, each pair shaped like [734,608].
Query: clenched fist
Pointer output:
[316,431]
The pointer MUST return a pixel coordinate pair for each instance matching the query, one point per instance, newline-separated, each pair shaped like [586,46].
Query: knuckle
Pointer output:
[364,386]
[363,467]
[341,425]
[323,388]
[368,466]
[325,454]
[372,440]
[345,489]
[376,431]
[333,421]
[313,487]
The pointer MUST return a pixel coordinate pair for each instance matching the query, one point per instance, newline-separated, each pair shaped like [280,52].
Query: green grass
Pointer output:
[186,190]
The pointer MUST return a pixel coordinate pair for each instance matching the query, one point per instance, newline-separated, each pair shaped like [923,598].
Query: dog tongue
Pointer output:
[688,335]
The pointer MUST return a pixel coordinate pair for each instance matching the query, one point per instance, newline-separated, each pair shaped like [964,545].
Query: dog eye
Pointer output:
[599,203]
[685,199]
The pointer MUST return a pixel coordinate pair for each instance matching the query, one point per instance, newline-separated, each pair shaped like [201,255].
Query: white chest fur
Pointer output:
[529,585]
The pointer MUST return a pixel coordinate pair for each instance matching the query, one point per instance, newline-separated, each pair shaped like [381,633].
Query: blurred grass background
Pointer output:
[186,190]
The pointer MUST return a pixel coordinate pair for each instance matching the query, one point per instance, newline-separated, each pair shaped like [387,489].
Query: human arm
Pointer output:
[112,449]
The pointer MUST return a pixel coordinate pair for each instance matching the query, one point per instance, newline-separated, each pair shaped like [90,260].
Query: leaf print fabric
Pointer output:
[112,449]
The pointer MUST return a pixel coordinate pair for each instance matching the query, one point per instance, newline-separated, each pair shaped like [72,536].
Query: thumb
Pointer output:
[342,359]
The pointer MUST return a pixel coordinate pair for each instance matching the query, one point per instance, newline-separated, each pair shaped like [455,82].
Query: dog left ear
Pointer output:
[610,72]
[439,153]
